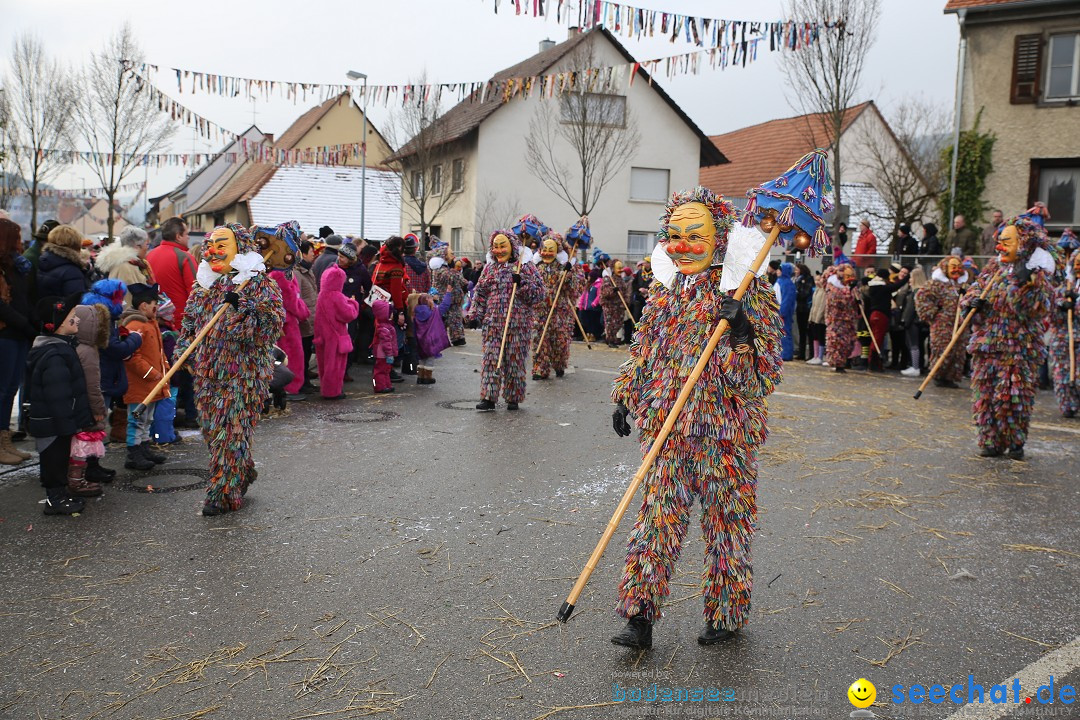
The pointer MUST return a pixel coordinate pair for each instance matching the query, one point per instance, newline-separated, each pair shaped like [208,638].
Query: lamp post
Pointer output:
[353,75]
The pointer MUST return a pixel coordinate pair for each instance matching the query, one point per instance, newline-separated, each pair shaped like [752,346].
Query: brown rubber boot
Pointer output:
[9,447]
[118,424]
[79,486]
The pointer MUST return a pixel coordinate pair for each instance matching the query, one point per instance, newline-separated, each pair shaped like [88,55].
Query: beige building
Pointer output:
[1021,69]
[485,156]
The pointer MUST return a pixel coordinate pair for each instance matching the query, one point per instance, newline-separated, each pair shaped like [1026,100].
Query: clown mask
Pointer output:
[220,250]
[847,275]
[618,267]
[1008,244]
[954,269]
[691,238]
[548,251]
[501,248]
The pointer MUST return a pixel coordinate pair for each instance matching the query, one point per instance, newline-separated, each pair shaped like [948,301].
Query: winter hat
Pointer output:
[895,267]
[142,293]
[107,292]
[348,250]
[52,311]
[42,233]
[411,243]
[905,228]
[331,239]
[325,231]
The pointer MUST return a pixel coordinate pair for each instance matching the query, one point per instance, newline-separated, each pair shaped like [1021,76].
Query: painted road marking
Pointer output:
[1055,428]
[834,401]
[1059,663]
[602,372]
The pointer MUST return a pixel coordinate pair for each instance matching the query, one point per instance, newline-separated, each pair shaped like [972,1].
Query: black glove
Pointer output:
[516,277]
[233,299]
[618,420]
[1022,274]
[732,310]
[1072,295]
[568,267]
[979,304]
[1065,306]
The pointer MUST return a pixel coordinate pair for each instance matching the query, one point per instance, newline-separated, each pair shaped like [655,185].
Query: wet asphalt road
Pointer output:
[405,554]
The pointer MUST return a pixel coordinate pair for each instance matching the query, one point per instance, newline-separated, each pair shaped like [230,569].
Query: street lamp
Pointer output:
[354,75]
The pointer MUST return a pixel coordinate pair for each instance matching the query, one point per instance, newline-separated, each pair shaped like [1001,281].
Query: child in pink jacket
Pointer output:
[333,313]
[384,346]
[296,311]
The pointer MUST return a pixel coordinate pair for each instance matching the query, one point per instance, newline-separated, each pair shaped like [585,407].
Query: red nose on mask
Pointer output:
[999,248]
[680,247]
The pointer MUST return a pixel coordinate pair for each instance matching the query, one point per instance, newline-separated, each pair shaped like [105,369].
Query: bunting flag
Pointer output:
[84,193]
[331,155]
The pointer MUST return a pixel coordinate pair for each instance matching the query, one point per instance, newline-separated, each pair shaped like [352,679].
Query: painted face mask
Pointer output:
[691,238]
[955,268]
[220,250]
[501,248]
[548,251]
[618,267]
[1076,265]
[1008,244]
[847,276]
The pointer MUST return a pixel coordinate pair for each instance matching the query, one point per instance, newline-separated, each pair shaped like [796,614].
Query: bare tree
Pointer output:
[824,76]
[904,159]
[431,169]
[38,100]
[577,146]
[116,117]
[494,211]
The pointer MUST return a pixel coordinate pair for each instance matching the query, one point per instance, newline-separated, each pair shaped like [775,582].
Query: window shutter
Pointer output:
[1027,63]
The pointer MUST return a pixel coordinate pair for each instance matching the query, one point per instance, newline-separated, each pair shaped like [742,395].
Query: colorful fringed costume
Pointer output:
[841,317]
[937,304]
[490,304]
[712,451]
[612,305]
[233,365]
[444,279]
[555,352]
[1006,342]
[1066,392]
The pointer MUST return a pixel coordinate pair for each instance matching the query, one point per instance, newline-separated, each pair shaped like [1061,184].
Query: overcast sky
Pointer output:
[453,41]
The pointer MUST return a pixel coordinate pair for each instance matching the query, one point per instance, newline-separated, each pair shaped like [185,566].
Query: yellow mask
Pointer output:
[548,251]
[691,238]
[954,269]
[220,250]
[501,248]
[618,268]
[1008,244]
[1076,266]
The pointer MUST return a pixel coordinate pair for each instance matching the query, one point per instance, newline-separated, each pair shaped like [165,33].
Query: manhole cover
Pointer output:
[157,480]
[363,416]
[458,405]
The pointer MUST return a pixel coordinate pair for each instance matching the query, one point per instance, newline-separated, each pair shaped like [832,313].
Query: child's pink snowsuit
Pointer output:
[290,342]
[333,312]
[384,346]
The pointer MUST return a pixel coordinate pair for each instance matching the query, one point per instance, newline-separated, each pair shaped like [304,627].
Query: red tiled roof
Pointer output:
[952,5]
[762,152]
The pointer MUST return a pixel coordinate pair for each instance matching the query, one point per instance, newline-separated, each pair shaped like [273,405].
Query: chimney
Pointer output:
[546,45]
[268,138]
[573,32]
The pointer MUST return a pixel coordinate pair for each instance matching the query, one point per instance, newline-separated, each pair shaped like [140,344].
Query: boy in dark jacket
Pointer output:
[58,405]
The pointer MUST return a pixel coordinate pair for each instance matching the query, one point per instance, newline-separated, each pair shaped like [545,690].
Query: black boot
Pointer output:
[136,460]
[637,634]
[511,406]
[560,373]
[395,377]
[458,343]
[989,452]
[58,502]
[96,472]
[1016,452]
[153,455]
[712,635]
[485,406]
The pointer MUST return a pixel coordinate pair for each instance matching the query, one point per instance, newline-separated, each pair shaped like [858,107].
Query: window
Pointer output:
[436,180]
[455,239]
[457,175]
[594,109]
[1027,59]
[1057,183]
[1061,79]
[417,184]
[649,184]
[639,244]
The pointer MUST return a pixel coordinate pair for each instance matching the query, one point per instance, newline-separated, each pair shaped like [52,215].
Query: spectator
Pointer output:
[33,254]
[122,343]
[865,246]
[125,260]
[905,243]
[333,313]
[62,271]
[309,293]
[817,322]
[172,266]
[390,276]
[902,298]
[839,241]
[327,257]
[87,446]
[987,243]
[879,294]
[785,295]
[290,342]
[386,346]
[145,368]
[930,244]
[962,237]
[17,331]
[804,293]
[916,330]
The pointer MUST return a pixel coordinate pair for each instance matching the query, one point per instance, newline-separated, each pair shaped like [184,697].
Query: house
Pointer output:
[1020,67]
[483,140]
[762,152]
[338,121]
[95,220]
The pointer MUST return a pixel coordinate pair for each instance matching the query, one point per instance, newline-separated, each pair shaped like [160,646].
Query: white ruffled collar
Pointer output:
[436,262]
[245,266]
[941,277]
[744,243]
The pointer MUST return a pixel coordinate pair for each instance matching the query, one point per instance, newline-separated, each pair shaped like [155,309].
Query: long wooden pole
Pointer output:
[506,326]
[955,337]
[869,329]
[618,291]
[1072,349]
[721,327]
[584,336]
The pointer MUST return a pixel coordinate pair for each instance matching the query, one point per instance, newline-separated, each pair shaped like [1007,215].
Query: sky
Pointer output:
[449,40]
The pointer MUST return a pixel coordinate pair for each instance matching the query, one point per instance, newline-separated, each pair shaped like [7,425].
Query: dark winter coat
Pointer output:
[17,316]
[122,345]
[55,388]
[326,258]
[61,272]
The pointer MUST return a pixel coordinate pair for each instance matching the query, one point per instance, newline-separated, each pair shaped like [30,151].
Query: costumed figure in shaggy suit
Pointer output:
[555,266]
[614,285]
[1066,297]
[1006,343]
[841,314]
[508,266]
[233,365]
[444,279]
[938,305]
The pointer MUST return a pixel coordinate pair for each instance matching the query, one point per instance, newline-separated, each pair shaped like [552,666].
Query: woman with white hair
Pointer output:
[125,259]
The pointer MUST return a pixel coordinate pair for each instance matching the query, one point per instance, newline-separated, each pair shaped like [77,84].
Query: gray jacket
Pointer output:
[326,258]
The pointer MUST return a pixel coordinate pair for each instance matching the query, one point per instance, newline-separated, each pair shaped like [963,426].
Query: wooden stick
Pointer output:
[684,394]
[1072,349]
[956,319]
[618,291]
[869,329]
[955,337]
[506,326]
[584,335]
[554,302]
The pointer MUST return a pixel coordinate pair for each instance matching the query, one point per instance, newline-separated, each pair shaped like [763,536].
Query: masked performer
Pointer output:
[232,366]
[938,305]
[445,279]
[1006,342]
[555,268]
[711,453]
[490,305]
[841,314]
[1065,298]
[613,292]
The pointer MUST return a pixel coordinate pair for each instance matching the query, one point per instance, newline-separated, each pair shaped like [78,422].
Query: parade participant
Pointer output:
[1066,297]
[613,293]
[384,347]
[562,282]
[711,452]
[1006,342]
[841,314]
[233,365]
[291,342]
[938,305]
[445,279]
[333,313]
[506,329]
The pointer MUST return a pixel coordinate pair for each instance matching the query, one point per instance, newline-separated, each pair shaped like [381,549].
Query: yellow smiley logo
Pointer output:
[862,693]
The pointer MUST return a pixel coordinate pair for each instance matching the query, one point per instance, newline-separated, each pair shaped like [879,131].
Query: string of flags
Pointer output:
[137,187]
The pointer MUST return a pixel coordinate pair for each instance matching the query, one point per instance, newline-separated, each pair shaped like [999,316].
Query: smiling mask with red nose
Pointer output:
[691,238]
